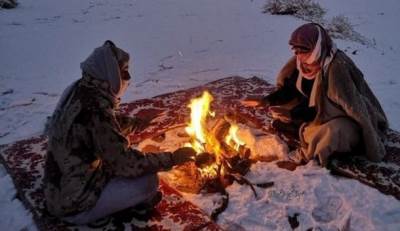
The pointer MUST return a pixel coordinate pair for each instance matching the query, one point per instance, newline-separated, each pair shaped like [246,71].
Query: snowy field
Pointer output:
[177,44]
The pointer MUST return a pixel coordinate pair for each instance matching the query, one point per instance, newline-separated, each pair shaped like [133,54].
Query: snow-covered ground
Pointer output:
[176,44]
[318,200]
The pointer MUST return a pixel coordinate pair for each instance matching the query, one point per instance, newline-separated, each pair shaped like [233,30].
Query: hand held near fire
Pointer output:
[252,102]
[280,113]
[204,159]
[183,155]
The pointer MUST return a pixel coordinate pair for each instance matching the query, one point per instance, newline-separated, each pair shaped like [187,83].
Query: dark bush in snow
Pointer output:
[338,27]
[304,9]
[341,28]
[8,4]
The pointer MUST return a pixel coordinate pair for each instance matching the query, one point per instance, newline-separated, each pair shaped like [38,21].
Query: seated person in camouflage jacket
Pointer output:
[91,170]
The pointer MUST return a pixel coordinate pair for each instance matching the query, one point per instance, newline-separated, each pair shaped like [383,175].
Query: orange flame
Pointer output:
[232,139]
[201,139]
[200,109]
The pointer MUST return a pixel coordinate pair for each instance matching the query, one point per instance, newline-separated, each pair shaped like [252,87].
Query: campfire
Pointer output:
[219,149]
[222,157]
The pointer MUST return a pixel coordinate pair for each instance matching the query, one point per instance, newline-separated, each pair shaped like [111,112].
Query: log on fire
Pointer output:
[231,164]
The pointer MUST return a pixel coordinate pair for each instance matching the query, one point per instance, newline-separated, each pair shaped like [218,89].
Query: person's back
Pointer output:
[74,173]
[89,158]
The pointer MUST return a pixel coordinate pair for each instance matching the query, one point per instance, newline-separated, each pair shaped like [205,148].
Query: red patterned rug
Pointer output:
[384,176]
[24,159]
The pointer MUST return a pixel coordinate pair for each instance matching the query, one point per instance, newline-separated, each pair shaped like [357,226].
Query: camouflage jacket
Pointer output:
[88,146]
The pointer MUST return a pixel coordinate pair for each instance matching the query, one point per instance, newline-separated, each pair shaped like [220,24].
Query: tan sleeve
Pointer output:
[343,91]
[113,148]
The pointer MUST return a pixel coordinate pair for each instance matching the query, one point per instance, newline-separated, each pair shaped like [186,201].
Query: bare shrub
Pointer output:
[340,27]
[304,9]
[8,4]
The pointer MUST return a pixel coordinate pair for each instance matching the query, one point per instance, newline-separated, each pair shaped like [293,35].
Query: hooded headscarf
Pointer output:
[312,38]
[102,64]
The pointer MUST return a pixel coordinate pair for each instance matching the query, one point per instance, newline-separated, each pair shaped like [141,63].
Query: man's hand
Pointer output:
[254,101]
[182,155]
[204,159]
[280,113]
[250,102]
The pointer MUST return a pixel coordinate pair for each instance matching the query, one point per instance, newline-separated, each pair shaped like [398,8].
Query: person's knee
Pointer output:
[334,127]
[79,219]
[335,131]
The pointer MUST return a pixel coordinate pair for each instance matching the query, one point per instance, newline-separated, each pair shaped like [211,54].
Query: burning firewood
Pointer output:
[221,159]
[220,128]
[204,159]
[187,178]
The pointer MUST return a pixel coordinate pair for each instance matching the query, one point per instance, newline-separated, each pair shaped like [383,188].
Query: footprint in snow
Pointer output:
[328,209]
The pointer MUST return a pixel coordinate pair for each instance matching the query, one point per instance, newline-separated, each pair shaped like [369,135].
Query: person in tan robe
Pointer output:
[322,90]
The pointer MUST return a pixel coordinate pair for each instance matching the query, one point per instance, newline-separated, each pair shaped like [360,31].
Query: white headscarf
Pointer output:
[315,56]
